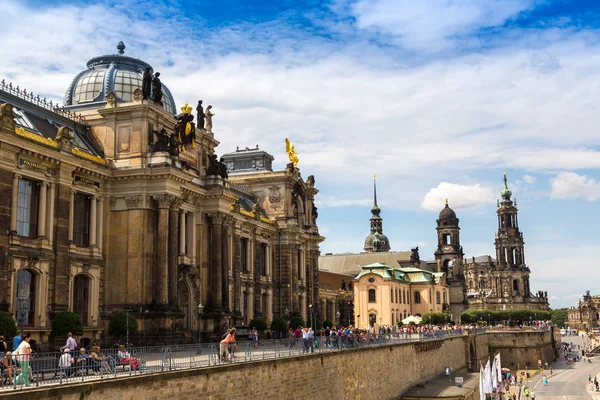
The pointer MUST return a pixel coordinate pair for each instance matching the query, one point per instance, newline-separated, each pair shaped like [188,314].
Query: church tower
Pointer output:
[376,241]
[510,247]
[449,254]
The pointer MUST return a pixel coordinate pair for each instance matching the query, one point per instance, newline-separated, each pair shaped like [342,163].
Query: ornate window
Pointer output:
[125,83]
[81,220]
[372,296]
[417,297]
[244,254]
[437,298]
[81,288]
[27,208]
[89,86]
[26,287]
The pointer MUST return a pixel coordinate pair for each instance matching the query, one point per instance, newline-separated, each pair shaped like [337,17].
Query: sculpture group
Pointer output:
[151,86]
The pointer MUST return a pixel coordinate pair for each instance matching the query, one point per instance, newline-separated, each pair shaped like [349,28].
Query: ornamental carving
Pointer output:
[274,195]
[163,200]
[216,218]
[7,117]
[133,202]
[176,203]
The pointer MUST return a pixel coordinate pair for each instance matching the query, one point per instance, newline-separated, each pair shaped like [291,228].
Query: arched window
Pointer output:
[391,295]
[438,299]
[372,297]
[404,313]
[515,285]
[26,287]
[393,318]
[482,284]
[417,297]
[372,320]
[81,288]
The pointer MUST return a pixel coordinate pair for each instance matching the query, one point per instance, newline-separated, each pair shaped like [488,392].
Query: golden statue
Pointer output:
[291,151]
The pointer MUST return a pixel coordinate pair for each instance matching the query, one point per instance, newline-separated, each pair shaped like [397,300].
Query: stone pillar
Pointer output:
[100,217]
[182,232]
[161,275]
[250,306]
[173,235]
[14,203]
[93,220]
[42,209]
[293,254]
[333,315]
[216,265]
[324,309]
[269,316]
[71,214]
[193,236]
[50,219]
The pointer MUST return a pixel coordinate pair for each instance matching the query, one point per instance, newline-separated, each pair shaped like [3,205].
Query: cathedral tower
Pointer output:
[376,241]
[449,253]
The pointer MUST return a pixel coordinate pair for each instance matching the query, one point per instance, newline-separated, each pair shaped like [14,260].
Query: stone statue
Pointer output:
[157,93]
[200,114]
[315,214]
[414,255]
[343,284]
[64,137]
[311,180]
[208,125]
[174,144]
[185,128]
[146,83]
[223,168]
[216,167]
[111,100]
[137,95]
[162,142]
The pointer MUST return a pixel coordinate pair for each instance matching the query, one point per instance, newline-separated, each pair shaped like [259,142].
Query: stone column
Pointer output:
[173,234]
[50,219]
[93,220]
[161,275]
[193,237]
[324,309]
[182,232]
[216,265]
[269,316]
[71,214]
[42,209]
[15,204]
[99,232]
[250,306]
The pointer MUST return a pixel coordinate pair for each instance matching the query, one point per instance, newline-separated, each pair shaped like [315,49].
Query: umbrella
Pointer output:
[505,369]
[411,318]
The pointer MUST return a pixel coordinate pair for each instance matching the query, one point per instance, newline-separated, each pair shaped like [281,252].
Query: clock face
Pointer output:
[448,248]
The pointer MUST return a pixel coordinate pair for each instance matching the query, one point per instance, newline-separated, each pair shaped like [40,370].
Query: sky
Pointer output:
[438,98]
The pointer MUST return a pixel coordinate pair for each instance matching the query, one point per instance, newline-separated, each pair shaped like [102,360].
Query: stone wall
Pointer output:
[520,349]
[367,373]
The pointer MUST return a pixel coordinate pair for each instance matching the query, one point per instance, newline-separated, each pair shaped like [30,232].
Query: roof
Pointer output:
[332,280]
[481,259]
[350,263]
[407,274]
[444,386]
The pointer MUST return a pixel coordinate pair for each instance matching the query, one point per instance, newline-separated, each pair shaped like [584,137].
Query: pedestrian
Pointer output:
[71,344]
[16,342]
[311,339]
[526,391]
[305,340]
[545,380]
[533,395]
[551,371]
[24,356]
[3,346]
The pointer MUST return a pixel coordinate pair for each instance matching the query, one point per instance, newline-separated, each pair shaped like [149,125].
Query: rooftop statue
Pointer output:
[157,93]
[291,151]
[185,128]
[146,83]
[200,113]
[208,119]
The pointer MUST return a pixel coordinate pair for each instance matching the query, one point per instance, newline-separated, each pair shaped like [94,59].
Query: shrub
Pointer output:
[296,322]
[259,323]
[327,323]
[65,322]
[118,324]
[435,318]
[279,324]
[8,326]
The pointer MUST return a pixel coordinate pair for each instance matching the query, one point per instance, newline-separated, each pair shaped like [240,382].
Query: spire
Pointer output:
[375,210]
[505,193]
[121,47]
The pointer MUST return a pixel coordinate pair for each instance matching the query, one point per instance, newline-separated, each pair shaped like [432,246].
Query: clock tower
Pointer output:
[449,254]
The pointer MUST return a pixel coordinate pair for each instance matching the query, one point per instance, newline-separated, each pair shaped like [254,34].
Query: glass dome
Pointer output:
[116,73]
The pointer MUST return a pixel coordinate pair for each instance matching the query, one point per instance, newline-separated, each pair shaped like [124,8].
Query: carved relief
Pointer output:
[133,201]
[123,141]
[163,200]
[274,195]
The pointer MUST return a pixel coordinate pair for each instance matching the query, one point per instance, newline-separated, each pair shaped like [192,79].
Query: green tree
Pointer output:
[8,326]
[327,323]
[296,322]
[259,323]
[559,317]
[435,318]
[117,325]
[65,322]
[279,324]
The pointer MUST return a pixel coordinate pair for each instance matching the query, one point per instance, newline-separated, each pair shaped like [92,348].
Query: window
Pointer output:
[447,239]
[300,266]
[516,285]
[27,207]
[372,297]
[81,220]
[391,295]
[264,257]
[482,284]
[417,298]
[89,86]
[125,83]
[244,254]
[437,298]
[80,297]
[444,293]
[26,287]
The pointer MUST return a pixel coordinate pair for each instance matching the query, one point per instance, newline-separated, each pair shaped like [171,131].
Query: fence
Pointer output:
[56,368]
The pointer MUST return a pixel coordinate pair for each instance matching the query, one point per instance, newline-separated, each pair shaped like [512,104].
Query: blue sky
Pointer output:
[437,97]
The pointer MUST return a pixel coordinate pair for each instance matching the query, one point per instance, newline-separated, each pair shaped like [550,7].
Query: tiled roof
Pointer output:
[351,263]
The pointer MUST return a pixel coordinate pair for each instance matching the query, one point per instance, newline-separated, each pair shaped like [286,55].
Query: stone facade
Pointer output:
[586,316]
[102,218]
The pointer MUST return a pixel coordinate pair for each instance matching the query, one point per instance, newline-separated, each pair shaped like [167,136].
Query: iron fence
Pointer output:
[56,368]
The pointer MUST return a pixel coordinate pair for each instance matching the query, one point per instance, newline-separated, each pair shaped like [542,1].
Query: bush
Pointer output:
[259,323]
[118,324]
[504,316]
[8,326]
[279,325]
[65,322]
[327,323]
[435,318]
[296,322]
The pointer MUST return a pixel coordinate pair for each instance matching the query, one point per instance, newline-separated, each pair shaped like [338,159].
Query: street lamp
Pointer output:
[23,310]
[489,320]
[311,315]
[200,312]
[286,312]
[358,321]
[337,317]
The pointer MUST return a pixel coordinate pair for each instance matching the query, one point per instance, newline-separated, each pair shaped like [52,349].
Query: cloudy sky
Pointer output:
[437,97]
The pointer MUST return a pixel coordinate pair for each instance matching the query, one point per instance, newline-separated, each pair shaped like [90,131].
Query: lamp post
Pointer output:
[23,310]
[358,321]
[311,315]
[489,320]
[337,317]
[200,312]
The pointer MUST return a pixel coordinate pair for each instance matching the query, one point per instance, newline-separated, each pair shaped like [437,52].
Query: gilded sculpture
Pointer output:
[292,153]
[185,128]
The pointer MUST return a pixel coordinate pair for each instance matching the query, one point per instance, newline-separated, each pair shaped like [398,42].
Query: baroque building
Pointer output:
[586,316]
[114,201]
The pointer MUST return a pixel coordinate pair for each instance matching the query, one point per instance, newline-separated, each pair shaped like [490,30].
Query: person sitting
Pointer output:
[98,361]
[84,361]
[7,366]
[66,362]
[125,358]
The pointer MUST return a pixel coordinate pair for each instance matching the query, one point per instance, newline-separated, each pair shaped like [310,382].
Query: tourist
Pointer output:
[305,340]
[98,361]
[545,380]
[124,357]
[3,346]
[311,339]
[71,344]
[83,361]
[8,368]
[255,337]
[65,362]
[227,345]
[16,342]
[23,355]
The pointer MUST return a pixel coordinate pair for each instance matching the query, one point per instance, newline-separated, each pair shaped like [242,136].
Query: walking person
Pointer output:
[311,340]
[71,344]
[24,356]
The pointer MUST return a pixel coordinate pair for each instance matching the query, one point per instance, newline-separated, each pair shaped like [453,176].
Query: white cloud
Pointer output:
[528,179]
[332,201]
[460,197]
[571,185]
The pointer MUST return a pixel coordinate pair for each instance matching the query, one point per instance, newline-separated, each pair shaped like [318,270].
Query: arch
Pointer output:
[515,285]
[372,319]
[183,300]
[81,295]
[393,317]
[482,284]
[26,285]
[372,296]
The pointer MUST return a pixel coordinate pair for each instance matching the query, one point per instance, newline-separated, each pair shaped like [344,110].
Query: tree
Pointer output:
[296,322]
[279,325]
[117,325]
[8,326]
[65,322]
[435,318]
[559,317]
[327,323]
[259,323]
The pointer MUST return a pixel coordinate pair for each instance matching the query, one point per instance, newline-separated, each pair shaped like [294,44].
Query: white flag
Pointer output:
[498,367]
[494,375]
[481,384]
[487,383]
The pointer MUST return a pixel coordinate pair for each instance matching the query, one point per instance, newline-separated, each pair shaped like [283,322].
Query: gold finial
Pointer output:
[374,177]
[291,151]
[186,109]
[446,201]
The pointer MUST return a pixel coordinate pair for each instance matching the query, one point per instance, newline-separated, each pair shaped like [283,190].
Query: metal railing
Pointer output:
[46,368]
